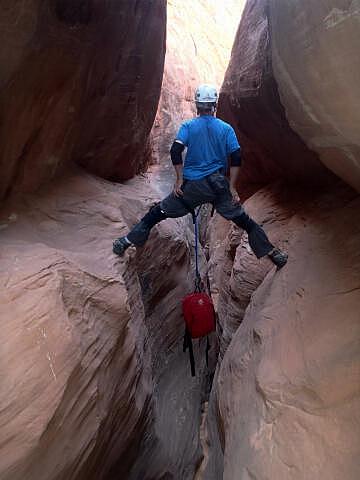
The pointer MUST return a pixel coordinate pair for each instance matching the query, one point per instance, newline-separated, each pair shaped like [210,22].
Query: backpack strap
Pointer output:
[188,344]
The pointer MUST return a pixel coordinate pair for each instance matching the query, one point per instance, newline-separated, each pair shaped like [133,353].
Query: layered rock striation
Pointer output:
[80,82]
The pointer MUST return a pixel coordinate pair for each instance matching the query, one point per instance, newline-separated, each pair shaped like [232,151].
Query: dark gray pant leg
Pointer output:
[258,239]
[234,211]
[141,231]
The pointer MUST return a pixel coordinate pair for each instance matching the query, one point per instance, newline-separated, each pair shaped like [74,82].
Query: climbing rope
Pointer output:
[195,215]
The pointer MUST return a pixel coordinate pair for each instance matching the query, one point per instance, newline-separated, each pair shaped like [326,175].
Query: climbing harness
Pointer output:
[198,309]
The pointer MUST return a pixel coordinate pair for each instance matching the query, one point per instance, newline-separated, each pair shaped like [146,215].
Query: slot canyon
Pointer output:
[94,383]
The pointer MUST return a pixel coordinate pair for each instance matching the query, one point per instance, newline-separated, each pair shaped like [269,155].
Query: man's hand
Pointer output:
[177,188]
[234,173]
[234,193]
[179,181]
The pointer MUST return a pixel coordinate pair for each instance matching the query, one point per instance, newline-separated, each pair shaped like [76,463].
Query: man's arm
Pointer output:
[176,158]
[235,163]
[234,173]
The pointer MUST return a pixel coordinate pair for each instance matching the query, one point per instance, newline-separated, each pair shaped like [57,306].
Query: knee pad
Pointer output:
[154,216]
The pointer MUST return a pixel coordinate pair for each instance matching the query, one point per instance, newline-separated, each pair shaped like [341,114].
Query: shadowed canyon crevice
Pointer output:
[93,380]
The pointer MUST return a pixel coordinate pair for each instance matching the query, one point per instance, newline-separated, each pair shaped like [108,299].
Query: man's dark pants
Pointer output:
[213,189]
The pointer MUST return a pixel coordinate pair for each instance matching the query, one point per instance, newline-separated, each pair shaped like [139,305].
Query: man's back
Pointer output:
[209,142]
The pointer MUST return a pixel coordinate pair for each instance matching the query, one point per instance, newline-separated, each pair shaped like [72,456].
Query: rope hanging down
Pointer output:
[196,232]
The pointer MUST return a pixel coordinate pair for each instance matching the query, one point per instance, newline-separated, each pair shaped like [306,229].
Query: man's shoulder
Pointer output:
[224,125]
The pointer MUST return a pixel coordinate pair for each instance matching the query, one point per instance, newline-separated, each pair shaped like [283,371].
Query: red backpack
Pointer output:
[198,308]
[199,316]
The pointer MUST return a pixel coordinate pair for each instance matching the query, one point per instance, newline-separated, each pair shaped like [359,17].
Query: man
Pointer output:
[201,179]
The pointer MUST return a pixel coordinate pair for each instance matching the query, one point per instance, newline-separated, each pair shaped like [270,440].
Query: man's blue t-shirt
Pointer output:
[209,142]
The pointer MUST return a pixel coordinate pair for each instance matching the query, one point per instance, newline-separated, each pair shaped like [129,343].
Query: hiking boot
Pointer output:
[278,257]
[120,245]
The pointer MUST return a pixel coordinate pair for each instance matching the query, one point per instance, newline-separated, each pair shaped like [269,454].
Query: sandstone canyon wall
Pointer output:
[92,345]
[286,395]
[80,81]
[317,70]
[250,101]
[286,398]
[94,382]
[285,96]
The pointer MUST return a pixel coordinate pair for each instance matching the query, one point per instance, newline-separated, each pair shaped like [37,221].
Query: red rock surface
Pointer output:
[80,81]
[94,382]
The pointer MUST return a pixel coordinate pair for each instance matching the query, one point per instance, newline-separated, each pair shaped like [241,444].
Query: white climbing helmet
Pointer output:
[206,94]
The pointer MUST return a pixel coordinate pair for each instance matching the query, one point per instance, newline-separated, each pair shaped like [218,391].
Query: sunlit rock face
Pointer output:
[80,80]
[200,35]
[94,382]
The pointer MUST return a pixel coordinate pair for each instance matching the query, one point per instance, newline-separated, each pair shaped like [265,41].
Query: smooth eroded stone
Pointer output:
[316,62]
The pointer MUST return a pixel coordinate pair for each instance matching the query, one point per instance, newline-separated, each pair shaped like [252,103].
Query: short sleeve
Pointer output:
[183,134]
[232,143]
